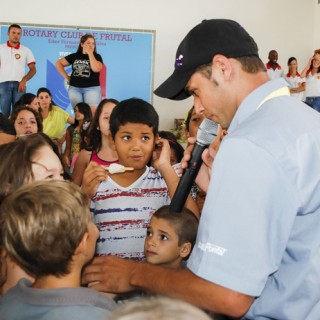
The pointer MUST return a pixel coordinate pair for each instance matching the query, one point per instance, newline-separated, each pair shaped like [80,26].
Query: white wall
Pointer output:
[289,26]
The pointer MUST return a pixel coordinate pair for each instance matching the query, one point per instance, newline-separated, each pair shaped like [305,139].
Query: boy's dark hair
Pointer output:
[184,223]
[133,110]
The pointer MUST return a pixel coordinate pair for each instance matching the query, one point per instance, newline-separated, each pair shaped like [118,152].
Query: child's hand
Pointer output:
[161,154]
[92,176]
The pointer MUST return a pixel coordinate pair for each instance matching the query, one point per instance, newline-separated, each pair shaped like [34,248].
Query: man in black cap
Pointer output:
[257,252]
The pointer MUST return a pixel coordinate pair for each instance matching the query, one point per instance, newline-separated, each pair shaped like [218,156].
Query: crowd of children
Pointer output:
[130,214]
[50,229]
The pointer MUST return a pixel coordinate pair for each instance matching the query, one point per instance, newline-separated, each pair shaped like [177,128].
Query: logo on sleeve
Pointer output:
[212,248]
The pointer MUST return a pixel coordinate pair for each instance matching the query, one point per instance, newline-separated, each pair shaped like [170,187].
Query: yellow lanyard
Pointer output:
[284,91]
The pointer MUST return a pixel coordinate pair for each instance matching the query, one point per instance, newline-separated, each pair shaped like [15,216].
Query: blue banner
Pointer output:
[127,58]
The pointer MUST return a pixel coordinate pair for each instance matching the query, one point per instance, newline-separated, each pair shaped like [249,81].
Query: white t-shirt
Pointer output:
[294,82]
[13,61]
[313,85]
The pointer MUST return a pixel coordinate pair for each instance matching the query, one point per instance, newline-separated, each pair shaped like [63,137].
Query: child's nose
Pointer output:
[151,241]
[136,144]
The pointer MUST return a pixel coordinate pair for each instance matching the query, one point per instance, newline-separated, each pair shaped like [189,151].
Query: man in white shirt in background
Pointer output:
[14,57]
[273,67]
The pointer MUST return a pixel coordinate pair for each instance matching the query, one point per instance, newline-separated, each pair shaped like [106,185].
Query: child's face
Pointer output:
[195,121]
[34,104]
[25,123]
[134,143]
[161,244]
[104,118]
[77,114]
[46,165]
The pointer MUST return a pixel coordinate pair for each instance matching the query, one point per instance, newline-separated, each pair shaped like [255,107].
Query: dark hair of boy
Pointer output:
[134,110]
[184,223]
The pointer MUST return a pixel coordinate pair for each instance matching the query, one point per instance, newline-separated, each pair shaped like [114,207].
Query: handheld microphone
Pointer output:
[207,131]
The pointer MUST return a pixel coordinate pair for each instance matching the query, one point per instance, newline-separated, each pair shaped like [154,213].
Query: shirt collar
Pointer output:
[289,75]
[250,104]
[10,46]
[269,66]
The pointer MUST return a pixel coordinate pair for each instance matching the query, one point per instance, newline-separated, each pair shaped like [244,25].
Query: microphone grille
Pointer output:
[207,131]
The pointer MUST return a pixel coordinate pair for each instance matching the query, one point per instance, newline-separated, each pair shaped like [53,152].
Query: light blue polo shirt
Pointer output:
[259,232]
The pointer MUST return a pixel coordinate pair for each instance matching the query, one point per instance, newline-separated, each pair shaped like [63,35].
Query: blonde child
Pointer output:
[47,228]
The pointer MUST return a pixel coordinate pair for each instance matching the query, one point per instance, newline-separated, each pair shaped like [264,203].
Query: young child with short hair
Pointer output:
[47,228]
[125,202]
[170,237]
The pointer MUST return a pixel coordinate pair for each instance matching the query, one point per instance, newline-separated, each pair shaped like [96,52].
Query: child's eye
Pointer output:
[126,138]
[164,237]
[149,233]
[145,138]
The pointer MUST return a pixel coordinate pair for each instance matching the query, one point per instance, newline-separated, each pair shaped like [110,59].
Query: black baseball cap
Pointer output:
[210,37]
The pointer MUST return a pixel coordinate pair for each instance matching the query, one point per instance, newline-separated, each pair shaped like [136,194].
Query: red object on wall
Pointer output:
[103,81]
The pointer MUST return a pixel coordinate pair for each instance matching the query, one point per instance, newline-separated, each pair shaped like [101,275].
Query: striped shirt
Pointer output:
[122,214]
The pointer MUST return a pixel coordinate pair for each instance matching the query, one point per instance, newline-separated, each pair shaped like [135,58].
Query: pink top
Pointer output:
[95,158]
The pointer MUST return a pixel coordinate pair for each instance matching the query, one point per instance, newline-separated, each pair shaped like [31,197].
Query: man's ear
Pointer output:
[82,246]
[222,63]
[185,249]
